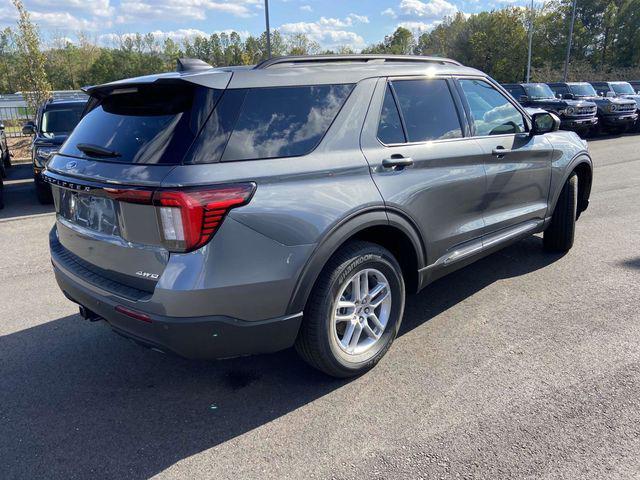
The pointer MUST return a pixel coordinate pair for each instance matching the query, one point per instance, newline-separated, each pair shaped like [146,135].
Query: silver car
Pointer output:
[216,212]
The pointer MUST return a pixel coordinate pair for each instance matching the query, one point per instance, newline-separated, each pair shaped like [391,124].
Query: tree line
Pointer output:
[606,44]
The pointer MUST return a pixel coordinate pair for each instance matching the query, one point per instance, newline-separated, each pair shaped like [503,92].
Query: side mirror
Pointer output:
[544,122]
[568,96]
[1,126]
[610,94]
[523,99]
[638,92]
[29,128]
[559,96]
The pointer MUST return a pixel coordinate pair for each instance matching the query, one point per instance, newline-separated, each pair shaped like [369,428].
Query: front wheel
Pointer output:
[559,235]
[354,311]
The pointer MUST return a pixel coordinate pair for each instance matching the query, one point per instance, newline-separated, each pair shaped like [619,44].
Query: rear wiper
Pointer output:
[97,150]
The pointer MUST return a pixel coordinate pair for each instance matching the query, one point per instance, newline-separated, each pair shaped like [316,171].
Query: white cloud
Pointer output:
[419,27]
[64,20]
[389,12]
[306,8]
[114,39]
[133,11]
[330,32]
[358,18]
[432,9]
[97,8]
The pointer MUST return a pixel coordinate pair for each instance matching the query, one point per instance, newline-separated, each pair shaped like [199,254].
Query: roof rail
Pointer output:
[374,58]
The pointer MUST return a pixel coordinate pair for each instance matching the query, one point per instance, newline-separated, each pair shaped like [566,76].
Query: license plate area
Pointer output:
[89,211]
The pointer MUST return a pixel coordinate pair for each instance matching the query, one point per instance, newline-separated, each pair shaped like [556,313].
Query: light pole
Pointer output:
[530,42]
[266,18]
[566,61]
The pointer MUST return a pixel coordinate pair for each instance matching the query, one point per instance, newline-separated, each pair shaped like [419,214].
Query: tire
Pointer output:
[559,235]
[7,159]
[319,342]
[43,192]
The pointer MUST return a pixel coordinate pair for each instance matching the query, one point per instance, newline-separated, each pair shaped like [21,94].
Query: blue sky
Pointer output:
[329,22]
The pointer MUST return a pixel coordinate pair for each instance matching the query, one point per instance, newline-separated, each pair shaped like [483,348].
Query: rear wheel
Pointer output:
[354,311]
[559,235]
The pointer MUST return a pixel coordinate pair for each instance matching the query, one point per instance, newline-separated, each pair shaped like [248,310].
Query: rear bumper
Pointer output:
[578,123]
[191,337]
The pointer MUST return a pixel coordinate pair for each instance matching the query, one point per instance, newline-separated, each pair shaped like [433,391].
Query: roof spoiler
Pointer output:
[191,64]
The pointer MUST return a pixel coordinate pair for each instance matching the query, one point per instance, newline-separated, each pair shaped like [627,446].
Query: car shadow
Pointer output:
[19,194]
[77,401]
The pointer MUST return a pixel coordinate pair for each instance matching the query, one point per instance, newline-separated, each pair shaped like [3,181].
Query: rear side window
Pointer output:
[492,113]
[516,91]
[428,109]
[390,127]
[284,121]
[561,89]
[145,124]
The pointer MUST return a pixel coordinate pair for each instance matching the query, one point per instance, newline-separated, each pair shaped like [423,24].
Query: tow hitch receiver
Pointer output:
[89,315]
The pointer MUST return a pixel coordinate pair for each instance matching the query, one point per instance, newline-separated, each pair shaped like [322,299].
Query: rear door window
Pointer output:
[428,109]
[284,121]
[145,124]
[516,91]
[492,112]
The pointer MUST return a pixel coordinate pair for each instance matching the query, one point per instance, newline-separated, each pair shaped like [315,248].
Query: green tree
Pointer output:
[32,78]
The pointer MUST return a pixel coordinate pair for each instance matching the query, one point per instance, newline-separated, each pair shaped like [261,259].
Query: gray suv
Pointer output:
[216,212]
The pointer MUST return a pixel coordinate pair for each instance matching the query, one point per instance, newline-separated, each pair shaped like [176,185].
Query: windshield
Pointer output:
[539,90]
[61,120]
[583,90]
[623,88]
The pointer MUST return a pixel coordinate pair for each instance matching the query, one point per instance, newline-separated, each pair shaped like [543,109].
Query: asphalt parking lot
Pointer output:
[524,365]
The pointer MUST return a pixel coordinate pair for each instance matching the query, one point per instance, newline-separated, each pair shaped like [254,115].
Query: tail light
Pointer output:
[189,218]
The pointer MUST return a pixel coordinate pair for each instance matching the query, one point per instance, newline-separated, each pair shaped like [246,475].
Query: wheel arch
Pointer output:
[390,229]
[582,166]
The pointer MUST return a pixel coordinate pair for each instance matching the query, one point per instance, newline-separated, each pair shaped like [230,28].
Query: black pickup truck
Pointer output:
[55,120]
[615,115]
[576,115]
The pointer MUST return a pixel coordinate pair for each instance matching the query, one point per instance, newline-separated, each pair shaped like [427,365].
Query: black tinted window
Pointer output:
[561,89]
[145,124]
[284,121]
[515,90]
[492,113]
[428,109]
[390,127]
[62,119]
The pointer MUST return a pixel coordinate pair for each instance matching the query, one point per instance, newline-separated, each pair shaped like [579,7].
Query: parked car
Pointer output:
[5,156]
[615,115]
[620,90]
[575,115]
[635,84]
[1,193]
[216,212]
[55,120]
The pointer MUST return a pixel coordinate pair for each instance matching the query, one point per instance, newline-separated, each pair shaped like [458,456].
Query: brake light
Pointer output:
[189,218]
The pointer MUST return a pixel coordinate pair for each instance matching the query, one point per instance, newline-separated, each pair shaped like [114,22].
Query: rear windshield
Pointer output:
[148,124]
[60,120]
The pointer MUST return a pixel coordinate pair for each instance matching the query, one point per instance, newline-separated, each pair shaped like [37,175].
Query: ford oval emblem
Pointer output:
[71,165]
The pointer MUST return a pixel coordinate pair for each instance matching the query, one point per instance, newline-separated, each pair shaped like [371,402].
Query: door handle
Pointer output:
[500,151]
[397,162]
